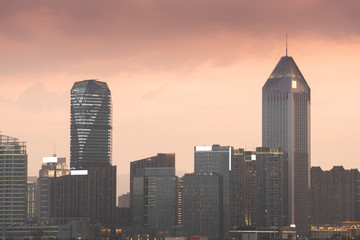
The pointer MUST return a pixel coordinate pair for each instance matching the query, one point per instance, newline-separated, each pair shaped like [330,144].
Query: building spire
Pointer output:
[286,44]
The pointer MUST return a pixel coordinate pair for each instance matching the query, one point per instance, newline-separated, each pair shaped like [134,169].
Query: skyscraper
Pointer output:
[271,206]
[286,125]
[217,159]
[153,195]
[202,205]
[91,125]
[13,181]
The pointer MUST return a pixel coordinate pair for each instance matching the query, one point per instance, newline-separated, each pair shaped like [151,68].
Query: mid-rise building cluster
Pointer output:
[270,191]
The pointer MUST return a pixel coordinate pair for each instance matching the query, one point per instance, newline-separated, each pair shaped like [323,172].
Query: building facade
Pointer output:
[243,189]
[217,159]
[31,199]
[124,200]
[13,181]
[334,195]
[84,194]
[51,167]
[271,171]
[202,205]
[91,125]
[286,125]
[155,198]
[166,160]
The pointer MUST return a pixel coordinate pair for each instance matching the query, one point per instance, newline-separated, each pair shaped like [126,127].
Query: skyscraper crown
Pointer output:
[286,68]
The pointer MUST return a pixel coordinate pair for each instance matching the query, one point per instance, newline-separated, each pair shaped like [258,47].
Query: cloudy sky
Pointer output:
[182,73]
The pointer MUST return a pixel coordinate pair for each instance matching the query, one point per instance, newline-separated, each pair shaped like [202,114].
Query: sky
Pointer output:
[181,73]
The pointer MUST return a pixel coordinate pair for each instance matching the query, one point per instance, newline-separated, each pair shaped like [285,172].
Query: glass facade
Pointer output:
[202,205]
[91,125]
[13,181]
[217,159]
[286,125]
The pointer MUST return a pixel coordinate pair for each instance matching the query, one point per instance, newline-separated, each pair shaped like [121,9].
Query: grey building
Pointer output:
[91,125]
[124,200]
[202,205]
[243,189]
[51,167]
[155,198]
[166,160]
[217,159]
[271,207]
[286,125]
[31,199]
[13,181]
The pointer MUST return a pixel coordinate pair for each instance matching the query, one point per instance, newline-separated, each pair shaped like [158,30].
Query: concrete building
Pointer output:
[286,125]
[161,160]
[243,189]
[202,205]
[217,159]
[271,172]
[51,167]
[13,181]
[335,196]
[154,197]
[84,194]
[31,200]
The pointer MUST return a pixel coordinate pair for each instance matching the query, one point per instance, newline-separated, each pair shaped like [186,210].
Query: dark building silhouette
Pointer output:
[51,167]
[271,207]
[286,125]
[123,217]
[161,160]
[91,125]
[90,194]
[13,181]
[202,205]
[243,189]
[217,159]
[335,196]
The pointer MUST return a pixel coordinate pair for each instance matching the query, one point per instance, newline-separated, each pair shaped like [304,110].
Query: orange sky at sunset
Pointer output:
[181,73]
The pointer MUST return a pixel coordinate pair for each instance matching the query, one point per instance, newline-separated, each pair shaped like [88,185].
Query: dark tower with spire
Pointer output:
[286,124]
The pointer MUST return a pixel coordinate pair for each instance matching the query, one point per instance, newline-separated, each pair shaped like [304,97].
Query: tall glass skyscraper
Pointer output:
[286,125]
[91,125]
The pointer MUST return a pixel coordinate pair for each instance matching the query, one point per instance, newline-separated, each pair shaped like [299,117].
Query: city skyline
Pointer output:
[170,90]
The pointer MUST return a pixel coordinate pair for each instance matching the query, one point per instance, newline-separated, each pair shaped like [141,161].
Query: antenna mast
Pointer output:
[286,45]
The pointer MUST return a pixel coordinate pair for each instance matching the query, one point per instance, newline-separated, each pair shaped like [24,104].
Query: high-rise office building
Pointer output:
[51,167]
[87,194]
[217,159]
[155,198]
[13,181]
[166,160]
[286,125]
[243,189]
[90,189]
[31,199]
[271,207]
[91,125]
[202,205]
[153,192]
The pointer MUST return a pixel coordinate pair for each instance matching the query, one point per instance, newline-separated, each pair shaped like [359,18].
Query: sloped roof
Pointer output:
[286,68]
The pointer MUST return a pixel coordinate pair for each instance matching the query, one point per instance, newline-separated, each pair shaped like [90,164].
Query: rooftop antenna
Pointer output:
[286,44]
[54,155]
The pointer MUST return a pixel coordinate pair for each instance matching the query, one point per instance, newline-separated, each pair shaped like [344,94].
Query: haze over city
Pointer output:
[181,73]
